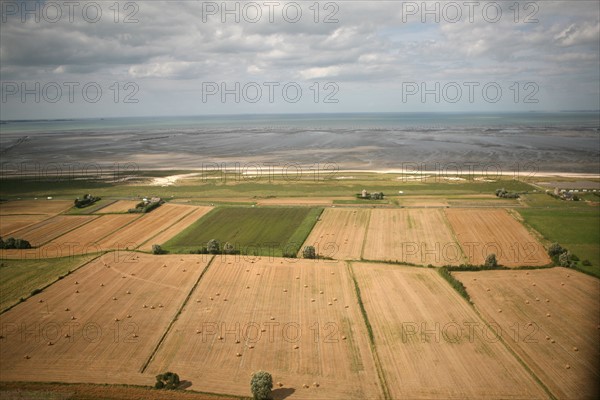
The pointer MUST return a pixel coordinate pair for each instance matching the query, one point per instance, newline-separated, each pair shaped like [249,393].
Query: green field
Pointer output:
[574,226]
[21,277]
[265,231]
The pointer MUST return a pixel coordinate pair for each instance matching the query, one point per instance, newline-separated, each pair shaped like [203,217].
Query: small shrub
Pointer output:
[168,380]
[309,252]
[213,246]
[574,257]
[156,249]
[586,263]
[564,260]
[36,291]
[490,261]
[555,249]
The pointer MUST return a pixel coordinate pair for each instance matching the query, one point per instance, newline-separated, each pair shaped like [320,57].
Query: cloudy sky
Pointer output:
[142,58]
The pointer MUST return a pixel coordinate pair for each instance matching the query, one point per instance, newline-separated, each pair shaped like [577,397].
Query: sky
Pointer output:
[92,59]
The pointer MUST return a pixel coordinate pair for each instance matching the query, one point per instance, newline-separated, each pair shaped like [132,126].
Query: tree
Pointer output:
[490,261]
[156,249]
[22,244]
[261,385]
[309,252]
[168,380]
[213,246]
[564,260]
[228,248]
[555,249]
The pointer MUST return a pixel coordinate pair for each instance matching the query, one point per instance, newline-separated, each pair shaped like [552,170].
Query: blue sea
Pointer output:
[554,142]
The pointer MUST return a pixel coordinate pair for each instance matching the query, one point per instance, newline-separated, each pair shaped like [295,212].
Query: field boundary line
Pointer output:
[363,311]
[506,345]
[83,264]
[162,230]
[175,317]
[451,230]
[368,224]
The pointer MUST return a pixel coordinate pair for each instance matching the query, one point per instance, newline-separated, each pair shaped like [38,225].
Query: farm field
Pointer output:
[296,201]
[304,341]
[51,228]
[119,206]
[417,236]
[145,227]
[78,329]
[177,227]
[21,277]
[339,233]
[484,231]
[550,318]
[11,223]
[23,207]
[85,239]
[269,231]
[430,341]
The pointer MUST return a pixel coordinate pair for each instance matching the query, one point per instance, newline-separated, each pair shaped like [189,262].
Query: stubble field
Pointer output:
[551,318]
[98,324]
[430,341]
[313,331]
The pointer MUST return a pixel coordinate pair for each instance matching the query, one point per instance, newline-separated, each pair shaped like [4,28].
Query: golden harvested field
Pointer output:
[416,236]
[481,232]
[339,233]
[11,223]
[147,226]
[304,341]
[47,207]
[550,318]
[51,228]
[120,206]
[81,332]
[174,229]
[430,341]
[85,238]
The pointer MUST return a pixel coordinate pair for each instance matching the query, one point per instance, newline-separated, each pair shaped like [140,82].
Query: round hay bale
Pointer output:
[257,273]
[568,275]
[220,337]
[164,265]
[526,301]
[547,300]
[114,298]
[335,299]
[224,299]
[198,331]
[218,294]
[247,270]
[312,300]
[474,279]
[575,349]
[144,306]
[72,318]
[251,346]
[547,337]
[562,284]
[237,341]
[533,284]
[343,337]
[316,384]
[279,384]
[284,290]
[333,273]
[67,335]
[247,287]
[499,310]
[296,347]
[320,292]
[27,357]
[41,301]
[305,386]
[567,366]
[238,354]
[184,270]
[128,315]
[67,309]
[526,273]
[77,291]
[49,343]
[552,341]
[305,286]
[123,277]
[263,330]
[272,318]
[128,292]
[330,303]
[197,300]
[134,335]
[537,299]
[346,306]
[152,307]
[116,319]
[102,285]
[210,298]
[487,289]
[297,277]
[160,306]
[547,314]
[77,283]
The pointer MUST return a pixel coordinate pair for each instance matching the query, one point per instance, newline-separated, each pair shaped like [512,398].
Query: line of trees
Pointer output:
[12,243]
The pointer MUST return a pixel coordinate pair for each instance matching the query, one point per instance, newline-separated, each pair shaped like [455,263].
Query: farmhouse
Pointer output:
[370,196]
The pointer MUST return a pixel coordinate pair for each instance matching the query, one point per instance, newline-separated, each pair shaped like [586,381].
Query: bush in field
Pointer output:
[228,248]
[168,380]
[87,200]
[261,385]
[564,260]
[555,249]
[213,246]
[586,263]
[309,252]
[490,261]
[156,249]
[12,243]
